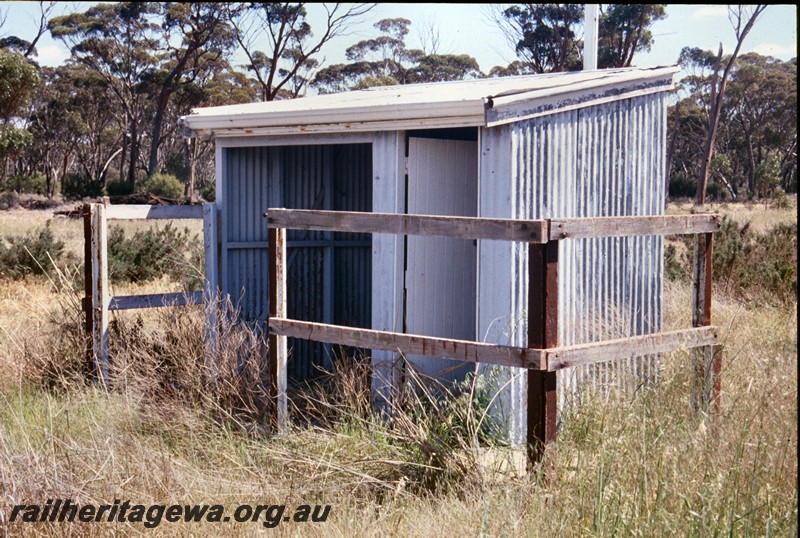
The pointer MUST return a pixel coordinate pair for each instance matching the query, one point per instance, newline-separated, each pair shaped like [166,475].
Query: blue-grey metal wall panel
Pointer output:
[329,278]
[244,235]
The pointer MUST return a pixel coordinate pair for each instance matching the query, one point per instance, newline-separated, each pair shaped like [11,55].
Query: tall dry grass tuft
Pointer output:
[162,362]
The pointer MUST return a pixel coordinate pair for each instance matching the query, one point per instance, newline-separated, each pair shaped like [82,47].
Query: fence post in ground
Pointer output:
[542,334]
[706,360]
[211,290]
[88,288]
[277,344]
[99,290]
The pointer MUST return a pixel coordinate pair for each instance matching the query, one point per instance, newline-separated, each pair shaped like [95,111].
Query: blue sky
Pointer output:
[468,28]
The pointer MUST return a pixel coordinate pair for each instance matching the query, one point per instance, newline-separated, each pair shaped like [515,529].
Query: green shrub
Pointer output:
[744,261]
[80,186]
[8,200]
[779,200]
[165,185]
[118,188]
[149,254]
[209,192]
[716,192]
[32,254]
[681,186]
[33,184]
[675,265]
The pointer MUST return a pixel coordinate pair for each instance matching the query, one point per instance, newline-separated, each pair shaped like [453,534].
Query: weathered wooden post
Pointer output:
[542,334]
[88,288]
[707,359]
[97,264]
[277,344]
[211,290]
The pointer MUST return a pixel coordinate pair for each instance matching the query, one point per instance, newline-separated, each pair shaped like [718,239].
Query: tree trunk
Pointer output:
[122,157]
[718,94]
[134,143]
[752,157]
[191,154]
[671,150]
[713,121]
[158,121]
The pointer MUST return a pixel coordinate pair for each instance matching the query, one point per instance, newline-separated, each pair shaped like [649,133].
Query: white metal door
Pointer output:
[441,271]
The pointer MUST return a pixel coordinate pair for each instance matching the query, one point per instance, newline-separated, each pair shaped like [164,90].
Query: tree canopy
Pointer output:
[385,60]
[549,37]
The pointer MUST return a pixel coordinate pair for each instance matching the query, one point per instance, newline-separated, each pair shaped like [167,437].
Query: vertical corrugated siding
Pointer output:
[352,191]
[605,160]
[327,282]
[305,177]
[246,197]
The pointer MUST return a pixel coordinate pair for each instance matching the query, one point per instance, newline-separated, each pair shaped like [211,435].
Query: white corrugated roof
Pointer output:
[481,102]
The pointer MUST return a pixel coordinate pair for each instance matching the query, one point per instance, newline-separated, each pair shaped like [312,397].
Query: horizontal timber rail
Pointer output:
[155,300]
[429,346]
[549,360]
[146,211]
[543,356]
[529,231]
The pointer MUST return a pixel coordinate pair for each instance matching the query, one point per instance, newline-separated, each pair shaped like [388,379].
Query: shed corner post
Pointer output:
[706,360]
[542,334]
[278,352]
[211,289]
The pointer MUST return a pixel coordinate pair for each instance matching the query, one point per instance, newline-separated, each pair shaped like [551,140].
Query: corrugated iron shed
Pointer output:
[580,144]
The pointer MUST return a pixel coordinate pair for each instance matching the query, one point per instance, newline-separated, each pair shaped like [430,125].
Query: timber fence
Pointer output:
[543,356]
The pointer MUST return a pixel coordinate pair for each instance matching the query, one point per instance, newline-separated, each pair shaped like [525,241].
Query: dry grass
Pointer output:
[639,464]
[760,219]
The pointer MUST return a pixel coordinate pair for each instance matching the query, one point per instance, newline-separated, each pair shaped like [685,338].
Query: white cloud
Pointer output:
[776,51]
[711,12]
[51,55]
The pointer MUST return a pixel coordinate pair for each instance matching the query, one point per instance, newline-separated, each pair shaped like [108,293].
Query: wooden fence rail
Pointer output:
[543,356]
[97,302]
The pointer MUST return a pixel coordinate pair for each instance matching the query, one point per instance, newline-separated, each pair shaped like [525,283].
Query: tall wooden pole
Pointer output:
[542,334]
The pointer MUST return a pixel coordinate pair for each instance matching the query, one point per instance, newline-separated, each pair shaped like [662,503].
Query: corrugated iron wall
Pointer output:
[605,160]
[249,190]
[329,275]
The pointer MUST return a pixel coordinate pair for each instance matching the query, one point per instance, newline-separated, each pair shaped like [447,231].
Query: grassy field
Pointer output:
[631,464]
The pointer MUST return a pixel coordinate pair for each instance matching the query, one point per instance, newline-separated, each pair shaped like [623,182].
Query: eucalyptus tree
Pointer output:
[18,79]
[742,19]
[195,34]
[118,42]
[74,130]
[387,60]
[280,46]
[548,37]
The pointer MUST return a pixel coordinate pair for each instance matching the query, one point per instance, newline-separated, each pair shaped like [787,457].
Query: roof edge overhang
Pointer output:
[462,113]
[488,111]
[522,106]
